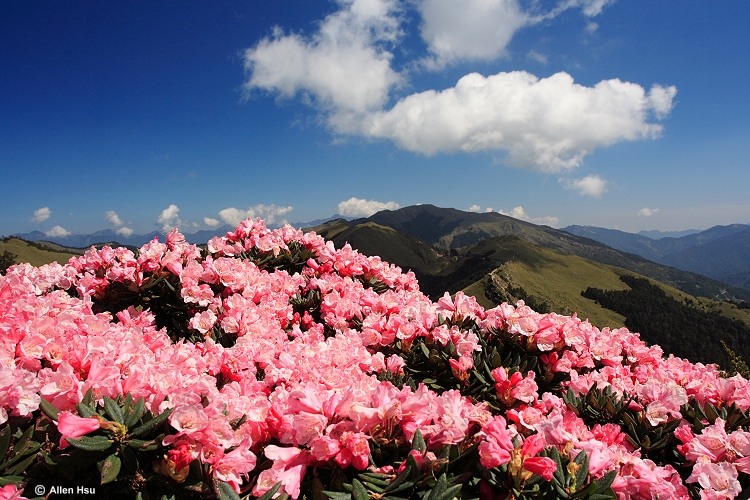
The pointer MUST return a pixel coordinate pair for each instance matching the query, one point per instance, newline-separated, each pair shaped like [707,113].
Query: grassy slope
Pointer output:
[559,279]
[35,256]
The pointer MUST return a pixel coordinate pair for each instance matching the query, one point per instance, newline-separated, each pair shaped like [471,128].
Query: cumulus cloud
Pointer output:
[114,219]
[546,124]
[591,185]
[57,232]
[520,214]
[211,222]
[41,215]
[474,208]
[125,231]
[343,68]
[269,213]
[647,212]
[356,207]
[169,218]
[470,29]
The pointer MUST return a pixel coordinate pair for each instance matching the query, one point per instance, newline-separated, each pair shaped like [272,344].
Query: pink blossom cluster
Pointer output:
[306,383]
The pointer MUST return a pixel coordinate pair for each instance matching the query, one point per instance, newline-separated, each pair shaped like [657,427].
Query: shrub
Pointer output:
[273,365]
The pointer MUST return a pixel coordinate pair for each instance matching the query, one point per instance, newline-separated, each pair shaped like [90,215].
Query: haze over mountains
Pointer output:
[721,252]
[111,235]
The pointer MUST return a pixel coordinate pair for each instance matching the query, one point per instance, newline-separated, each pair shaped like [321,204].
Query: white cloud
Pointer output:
[490,209]
[356,207]
[57,232]
[343,68]
[169,218]
[269,213]
[592,27]
[520,213]
[647,212]
[591,185]
[546,124]
[114,219]
[125,231]
[536,56]
[211,222]
[589,7]
[661,100]
[41,215]
[469,29]
[474,208]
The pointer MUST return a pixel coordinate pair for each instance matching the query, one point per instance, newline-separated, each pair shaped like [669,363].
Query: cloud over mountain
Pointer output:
[356,207]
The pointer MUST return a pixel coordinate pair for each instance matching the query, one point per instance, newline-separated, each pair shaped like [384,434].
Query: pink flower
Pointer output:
[541,466]
[11,492]
[719,481]
[496,448]
[73,426]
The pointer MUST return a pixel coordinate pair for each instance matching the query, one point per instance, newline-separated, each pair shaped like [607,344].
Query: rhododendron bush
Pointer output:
[272,365]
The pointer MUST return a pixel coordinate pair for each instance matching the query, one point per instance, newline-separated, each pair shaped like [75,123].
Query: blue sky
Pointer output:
[144,115]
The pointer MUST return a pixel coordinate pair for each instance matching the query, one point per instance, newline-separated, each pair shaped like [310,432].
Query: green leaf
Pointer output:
[17,480]
[583,473]
[21,467]
[110,468]
[85,410]
[91,443]
[143,444]
[134,413]
[268,495]
[112,409]
[439,488]
[359,492]
[333,495]
[49,409]
[129,459]
[151,424]
[418,442]
[224,491]
[88,398]
[4,441]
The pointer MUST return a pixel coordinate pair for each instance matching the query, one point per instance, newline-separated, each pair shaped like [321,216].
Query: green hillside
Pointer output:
[546,280]
[37,254]
[452,229]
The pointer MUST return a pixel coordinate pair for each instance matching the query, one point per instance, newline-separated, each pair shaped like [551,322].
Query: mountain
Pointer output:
[657,235]
[721,252]
[86,240]
[36,254]
[449,228]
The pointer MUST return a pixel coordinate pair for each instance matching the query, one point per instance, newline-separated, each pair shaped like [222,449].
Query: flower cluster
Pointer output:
[273,363]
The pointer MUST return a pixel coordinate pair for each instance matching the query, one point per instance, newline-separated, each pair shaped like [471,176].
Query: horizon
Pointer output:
[323,220]
[622,115]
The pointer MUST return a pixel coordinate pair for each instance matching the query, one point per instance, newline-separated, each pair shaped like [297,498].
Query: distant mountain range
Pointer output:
[446,229]
[138,240]
[721,252]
